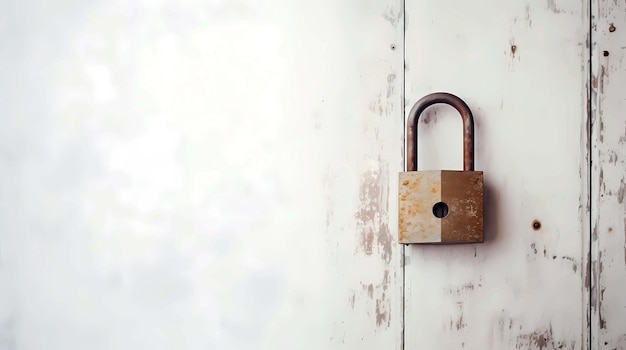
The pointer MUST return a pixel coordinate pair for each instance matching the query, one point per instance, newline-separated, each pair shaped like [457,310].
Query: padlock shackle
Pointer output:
[468,128]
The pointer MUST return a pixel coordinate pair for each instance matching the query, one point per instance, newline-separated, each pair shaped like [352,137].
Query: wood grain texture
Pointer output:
[608,269]
[520,66]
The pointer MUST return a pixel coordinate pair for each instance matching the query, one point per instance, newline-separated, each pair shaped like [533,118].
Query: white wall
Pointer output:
[200,174]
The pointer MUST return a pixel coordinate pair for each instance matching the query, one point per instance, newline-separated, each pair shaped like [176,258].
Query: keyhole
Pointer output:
[440,209]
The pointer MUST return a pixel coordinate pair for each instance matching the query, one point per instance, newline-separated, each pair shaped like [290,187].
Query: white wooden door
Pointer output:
[223,174]
[200,174]
[522,68]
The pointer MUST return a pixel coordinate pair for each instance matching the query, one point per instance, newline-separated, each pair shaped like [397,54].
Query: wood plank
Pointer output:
[609,176]
[520,66]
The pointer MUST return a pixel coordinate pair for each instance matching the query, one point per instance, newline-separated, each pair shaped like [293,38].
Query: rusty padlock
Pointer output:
[440,206]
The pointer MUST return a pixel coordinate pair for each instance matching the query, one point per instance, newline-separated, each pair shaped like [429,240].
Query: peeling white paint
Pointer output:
[609,153]
[526,285]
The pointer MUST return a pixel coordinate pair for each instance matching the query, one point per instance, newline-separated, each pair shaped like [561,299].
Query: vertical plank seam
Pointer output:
[589,169]
[402,108]
[592,287]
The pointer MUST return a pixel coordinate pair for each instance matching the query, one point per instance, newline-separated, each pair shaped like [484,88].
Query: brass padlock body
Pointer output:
[440,206]
[460,191]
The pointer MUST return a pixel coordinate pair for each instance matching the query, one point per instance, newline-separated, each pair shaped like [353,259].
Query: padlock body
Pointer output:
[423,194]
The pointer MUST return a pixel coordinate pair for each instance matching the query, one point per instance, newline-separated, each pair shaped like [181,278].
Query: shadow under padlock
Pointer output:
[440,206]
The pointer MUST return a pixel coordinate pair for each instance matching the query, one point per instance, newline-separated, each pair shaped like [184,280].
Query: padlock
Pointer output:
[440,206]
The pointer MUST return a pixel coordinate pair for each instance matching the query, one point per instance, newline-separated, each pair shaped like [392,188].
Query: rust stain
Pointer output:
[536,225]
[416,222]
[468,127]
[463,192]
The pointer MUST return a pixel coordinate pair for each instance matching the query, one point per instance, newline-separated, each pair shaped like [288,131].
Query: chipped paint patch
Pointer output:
[379,293]
[372,215]
[621,191]
[552,6]
[543,339]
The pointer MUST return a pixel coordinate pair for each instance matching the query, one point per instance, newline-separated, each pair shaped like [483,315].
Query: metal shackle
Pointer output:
[468,128]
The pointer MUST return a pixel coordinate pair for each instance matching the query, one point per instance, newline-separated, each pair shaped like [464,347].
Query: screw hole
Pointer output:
[536,225]
[605,53]
[440,209]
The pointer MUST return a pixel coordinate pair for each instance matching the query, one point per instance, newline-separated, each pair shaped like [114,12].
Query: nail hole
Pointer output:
[536,225]
[513,49]
[393,46]
[605,53]
[611,28]
[440,209]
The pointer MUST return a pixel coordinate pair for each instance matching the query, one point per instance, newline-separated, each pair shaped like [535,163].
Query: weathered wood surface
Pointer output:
[521,67]
[608,204]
